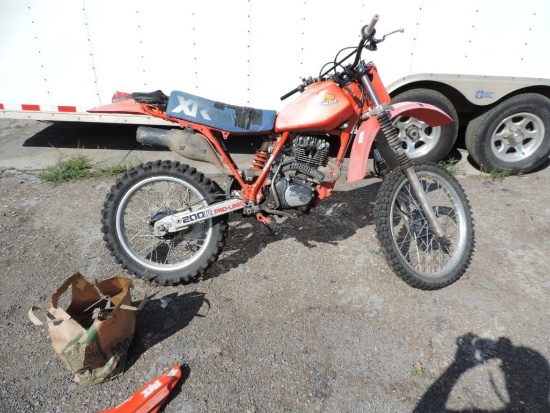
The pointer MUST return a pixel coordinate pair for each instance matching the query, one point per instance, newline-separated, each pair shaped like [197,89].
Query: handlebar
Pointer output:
[293,91]
[300,87]
[367,41]
[368,31]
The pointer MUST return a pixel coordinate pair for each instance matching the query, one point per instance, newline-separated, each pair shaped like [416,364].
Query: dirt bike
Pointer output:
[166,221]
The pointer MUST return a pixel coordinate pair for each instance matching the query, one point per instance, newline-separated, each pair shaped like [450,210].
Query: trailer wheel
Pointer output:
[421,141]
[513,136]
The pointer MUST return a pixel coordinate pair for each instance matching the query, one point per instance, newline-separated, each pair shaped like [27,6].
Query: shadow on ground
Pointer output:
[170,314]
[85,135]
[526,373]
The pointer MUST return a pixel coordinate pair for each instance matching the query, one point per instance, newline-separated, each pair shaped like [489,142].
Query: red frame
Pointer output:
[251,191]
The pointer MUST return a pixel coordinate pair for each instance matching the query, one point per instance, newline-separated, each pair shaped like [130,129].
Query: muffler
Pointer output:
[185,142]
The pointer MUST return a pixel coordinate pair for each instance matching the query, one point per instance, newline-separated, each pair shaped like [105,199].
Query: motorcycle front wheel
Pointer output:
[414,252]
[148,193]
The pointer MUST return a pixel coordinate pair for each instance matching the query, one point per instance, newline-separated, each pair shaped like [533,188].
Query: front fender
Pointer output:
[368,130]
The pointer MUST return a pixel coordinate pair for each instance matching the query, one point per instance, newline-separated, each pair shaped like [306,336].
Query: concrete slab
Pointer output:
[35,145]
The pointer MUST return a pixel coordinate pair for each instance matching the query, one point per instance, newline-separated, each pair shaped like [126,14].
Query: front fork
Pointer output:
[392,136]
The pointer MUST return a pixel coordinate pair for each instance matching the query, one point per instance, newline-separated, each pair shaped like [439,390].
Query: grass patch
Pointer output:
[76,167]
[499,175]
[116,169]
[451,165]
[80,167]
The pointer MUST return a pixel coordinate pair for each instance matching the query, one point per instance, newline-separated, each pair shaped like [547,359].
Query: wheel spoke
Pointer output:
[414,239]
[143,233]
[154,201]
[149,249]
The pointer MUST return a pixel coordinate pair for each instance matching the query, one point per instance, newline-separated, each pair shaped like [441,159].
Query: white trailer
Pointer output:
[484,62]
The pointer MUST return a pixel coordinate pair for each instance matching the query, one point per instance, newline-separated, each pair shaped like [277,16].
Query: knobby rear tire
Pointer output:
[147,193]
[411,249]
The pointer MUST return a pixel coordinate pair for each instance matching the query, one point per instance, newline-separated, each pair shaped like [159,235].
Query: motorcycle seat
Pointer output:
[230,118]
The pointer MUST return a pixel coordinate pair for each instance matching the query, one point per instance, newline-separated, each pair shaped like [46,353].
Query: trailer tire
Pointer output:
[513,136]
[420,141]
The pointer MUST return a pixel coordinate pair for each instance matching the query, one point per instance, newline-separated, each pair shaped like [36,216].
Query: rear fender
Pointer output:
[368,130]
[123,106]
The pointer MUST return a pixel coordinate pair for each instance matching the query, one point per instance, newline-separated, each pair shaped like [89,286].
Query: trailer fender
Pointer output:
[368,130]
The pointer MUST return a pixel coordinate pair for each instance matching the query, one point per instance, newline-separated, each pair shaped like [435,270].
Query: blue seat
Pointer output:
[234,119]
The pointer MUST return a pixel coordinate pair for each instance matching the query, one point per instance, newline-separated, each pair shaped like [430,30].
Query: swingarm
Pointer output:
[177,222]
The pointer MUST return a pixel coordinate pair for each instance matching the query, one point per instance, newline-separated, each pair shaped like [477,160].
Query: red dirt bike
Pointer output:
[166,221]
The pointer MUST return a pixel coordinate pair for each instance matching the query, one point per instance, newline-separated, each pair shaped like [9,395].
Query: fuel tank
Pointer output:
[322,106]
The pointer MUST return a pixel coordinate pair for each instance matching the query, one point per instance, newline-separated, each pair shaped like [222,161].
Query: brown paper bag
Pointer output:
[92,336]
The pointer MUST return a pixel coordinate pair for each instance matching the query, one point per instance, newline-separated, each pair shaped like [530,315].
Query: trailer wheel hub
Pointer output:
[413,133]
[513,135]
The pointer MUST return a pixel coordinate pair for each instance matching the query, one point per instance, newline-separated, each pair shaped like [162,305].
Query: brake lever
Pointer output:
[372,42]
[389,34]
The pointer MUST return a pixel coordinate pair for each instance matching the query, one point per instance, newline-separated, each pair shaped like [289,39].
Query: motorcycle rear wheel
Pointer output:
[414,252]
[148,193]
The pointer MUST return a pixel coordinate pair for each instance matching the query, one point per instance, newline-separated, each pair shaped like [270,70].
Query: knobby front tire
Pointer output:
[416,255]
[148,193]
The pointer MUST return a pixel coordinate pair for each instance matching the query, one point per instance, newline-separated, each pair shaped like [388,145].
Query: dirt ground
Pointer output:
[310,319]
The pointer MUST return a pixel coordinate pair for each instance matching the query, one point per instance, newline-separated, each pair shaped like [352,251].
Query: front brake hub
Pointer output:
[419,224]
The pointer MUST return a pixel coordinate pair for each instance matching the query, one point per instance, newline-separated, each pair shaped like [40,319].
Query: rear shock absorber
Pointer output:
[259,161]
[261,156]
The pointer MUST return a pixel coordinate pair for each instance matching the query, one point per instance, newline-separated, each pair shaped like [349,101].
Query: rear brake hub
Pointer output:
[159,230]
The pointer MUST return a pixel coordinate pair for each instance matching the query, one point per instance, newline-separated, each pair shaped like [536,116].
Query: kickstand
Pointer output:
[265,220]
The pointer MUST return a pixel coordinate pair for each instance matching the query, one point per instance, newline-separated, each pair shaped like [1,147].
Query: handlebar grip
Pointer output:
[293,91]
[368,30]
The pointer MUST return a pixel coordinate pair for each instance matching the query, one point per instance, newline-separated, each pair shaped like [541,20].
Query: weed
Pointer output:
[451,165]
[496,174]
[499,175]
[116,169]
[80,167]
[420,371]
[76,167]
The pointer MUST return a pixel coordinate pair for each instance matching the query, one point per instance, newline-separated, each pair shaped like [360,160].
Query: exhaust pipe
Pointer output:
[152,136]
[185,142]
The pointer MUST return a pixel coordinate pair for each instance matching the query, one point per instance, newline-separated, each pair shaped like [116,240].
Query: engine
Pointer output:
[294,185]
[311,151]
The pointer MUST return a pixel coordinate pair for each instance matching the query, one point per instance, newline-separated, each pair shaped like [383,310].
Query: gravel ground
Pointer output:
[310,319]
